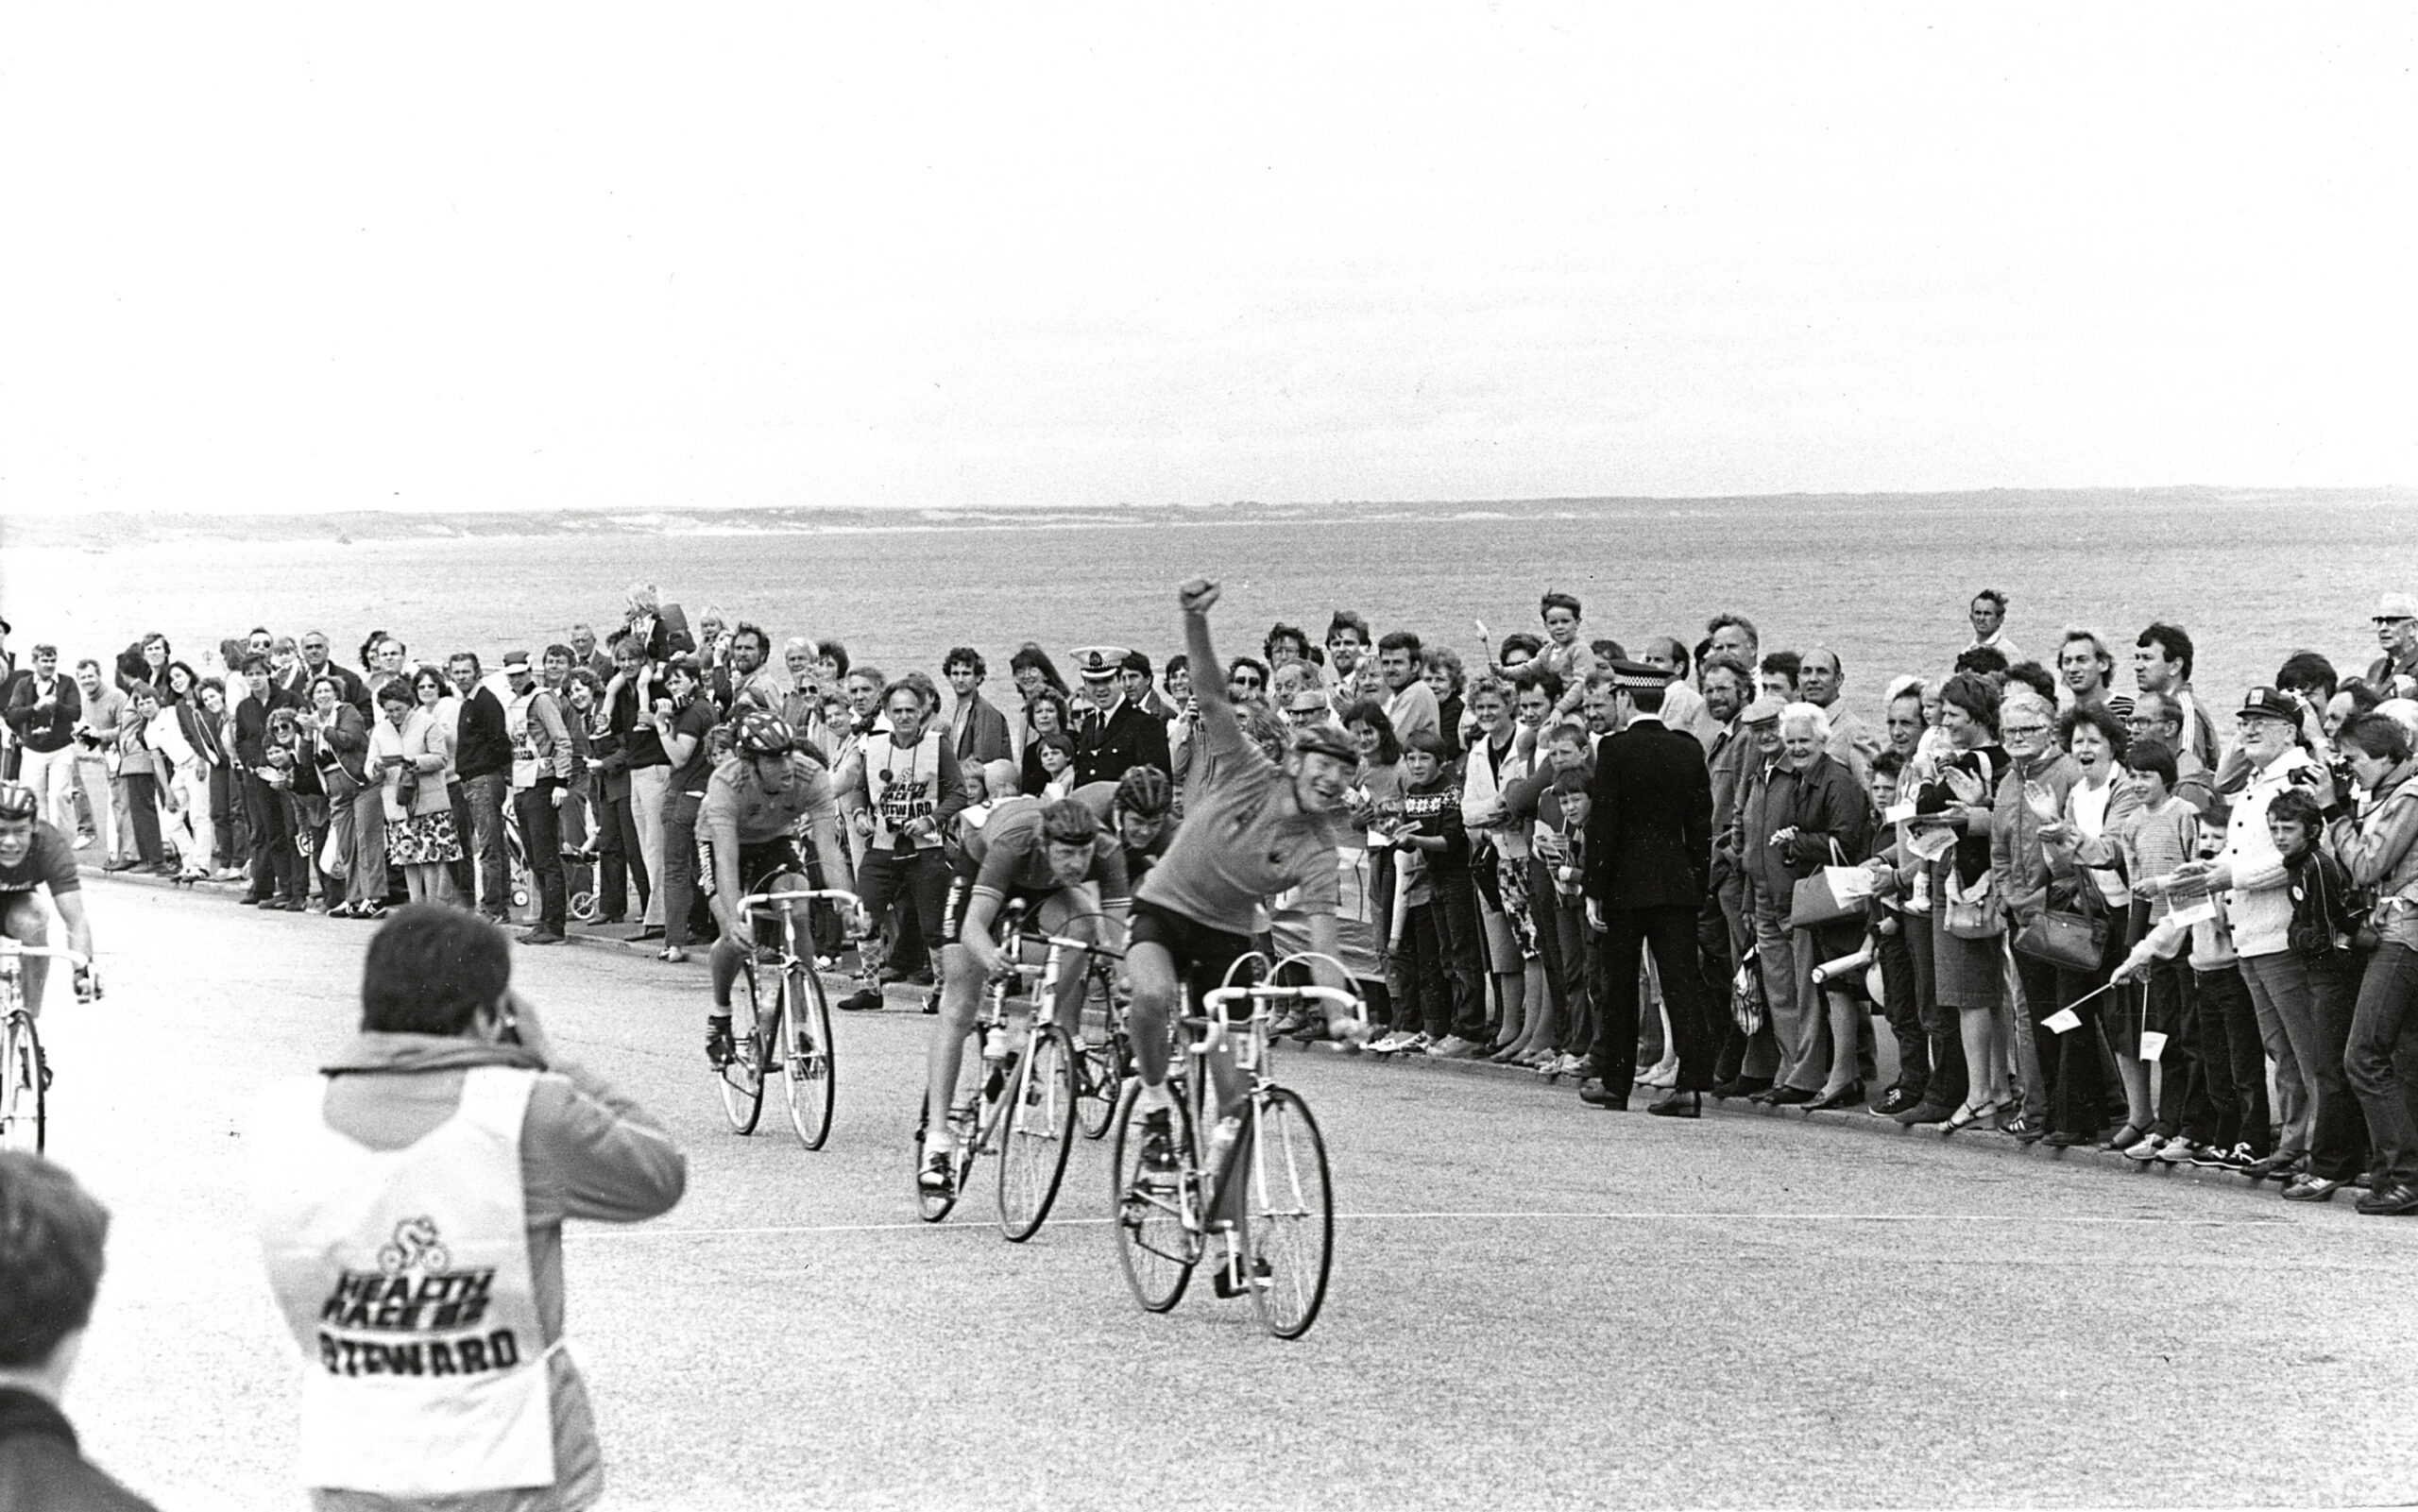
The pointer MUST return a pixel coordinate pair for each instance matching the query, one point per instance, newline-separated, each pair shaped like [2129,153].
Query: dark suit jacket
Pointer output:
[1130,737]
[1649,829]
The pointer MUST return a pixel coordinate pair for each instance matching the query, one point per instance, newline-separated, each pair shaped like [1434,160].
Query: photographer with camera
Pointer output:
[411,1198]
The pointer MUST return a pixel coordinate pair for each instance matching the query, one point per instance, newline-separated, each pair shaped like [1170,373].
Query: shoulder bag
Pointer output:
[1835,894]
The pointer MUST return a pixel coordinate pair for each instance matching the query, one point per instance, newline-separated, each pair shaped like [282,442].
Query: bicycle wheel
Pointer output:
[808,1078]
[1158,1226]
[1099,1078]
[1288,1214]
[743,1079]
[24,1116]
[1040,1130]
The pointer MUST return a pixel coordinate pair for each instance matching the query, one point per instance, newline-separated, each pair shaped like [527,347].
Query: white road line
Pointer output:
[642,1232]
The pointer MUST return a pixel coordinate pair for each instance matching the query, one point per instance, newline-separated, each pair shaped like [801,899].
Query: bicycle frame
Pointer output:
[1213,1030]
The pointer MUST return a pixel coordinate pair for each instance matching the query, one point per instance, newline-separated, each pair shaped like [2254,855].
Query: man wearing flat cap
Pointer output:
[1649,858]
[1112,731]
[2396,622]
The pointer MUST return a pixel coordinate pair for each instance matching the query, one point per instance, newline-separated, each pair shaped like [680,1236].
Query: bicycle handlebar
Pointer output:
[18,947]
[1334,995]
[835,894]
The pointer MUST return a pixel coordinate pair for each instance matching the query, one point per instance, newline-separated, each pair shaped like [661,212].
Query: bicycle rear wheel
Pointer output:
[807,1075]
[1288,1214]
[743,1077]
[1158,1225]
[1099,1078]
[1039,1130]
[23,1112]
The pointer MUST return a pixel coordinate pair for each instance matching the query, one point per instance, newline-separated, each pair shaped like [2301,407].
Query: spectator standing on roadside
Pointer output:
[2379,848]
[316,664]
[408,742]
[52,1238]
[1820,678]
[2396,623]
[978,731]
[1988,613]
[278,877]
[139,771]
[356,807]
[901,791]
[585,652]
[533,723]
[685,734]
[104,710]
[1410,703]
[483,757]
[446,1146]
[2162,664]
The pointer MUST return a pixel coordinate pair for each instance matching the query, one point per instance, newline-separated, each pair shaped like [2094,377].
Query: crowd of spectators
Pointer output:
[2078,916]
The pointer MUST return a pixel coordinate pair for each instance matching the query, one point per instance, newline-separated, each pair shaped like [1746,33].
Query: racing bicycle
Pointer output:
[1259,1178]
[792,1032]
[25,1074]
[1019,1104]
[1102,1065]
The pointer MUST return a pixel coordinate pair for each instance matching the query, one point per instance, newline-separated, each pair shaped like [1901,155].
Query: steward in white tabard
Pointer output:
[410,1200]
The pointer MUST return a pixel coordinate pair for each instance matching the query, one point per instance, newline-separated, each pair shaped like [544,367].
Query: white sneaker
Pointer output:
[1416,1045]
[1387,1043]
[1453,1047]
[2145,1149]
[2176,1152]
[1570,1065]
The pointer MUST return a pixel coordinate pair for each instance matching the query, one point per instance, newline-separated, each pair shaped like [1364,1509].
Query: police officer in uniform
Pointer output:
[1649,858]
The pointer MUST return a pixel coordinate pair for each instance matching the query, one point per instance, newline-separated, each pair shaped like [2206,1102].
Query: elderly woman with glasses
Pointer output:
[2031,796]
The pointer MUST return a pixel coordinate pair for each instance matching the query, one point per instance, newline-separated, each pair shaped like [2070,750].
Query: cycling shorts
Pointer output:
[1203,955]
[760,863]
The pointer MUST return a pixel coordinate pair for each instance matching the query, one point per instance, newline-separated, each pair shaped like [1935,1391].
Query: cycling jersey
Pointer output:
[1243,839]
[50,861]
[738,810]
[1009,855]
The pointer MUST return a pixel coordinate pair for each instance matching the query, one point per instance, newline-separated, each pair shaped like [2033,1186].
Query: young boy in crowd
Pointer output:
[2326,936]
[1440,925]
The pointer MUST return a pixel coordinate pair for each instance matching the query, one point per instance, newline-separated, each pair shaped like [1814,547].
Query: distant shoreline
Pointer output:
[114,530]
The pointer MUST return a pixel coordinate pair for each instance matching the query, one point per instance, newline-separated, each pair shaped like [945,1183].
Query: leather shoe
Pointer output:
[1677,1104]
[2397,1200]
[1595,1094]
[1926,1112]
[1850,1096]
[1787,1097]
[1739,1087]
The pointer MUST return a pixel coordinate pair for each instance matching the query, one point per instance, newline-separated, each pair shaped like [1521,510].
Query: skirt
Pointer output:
[1967,973]
[423,840]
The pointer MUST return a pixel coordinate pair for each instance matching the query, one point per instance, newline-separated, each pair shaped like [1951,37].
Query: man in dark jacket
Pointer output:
[1649,855]
[1112,732]
[278,880]
[483,757]
[51,1240]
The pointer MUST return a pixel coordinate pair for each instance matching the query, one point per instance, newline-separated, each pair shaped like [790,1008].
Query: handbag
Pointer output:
[1746,1008]
[1834,894]
[2075,942]
[1971,915]
[406,788]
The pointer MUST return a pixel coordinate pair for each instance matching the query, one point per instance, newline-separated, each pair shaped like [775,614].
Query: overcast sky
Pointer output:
[498,257]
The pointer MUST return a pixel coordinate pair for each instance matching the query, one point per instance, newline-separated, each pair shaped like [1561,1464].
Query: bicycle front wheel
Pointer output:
[743,1076]
[808,1077]
[1100,1077]
[1158,1218]
[23,1113]
[1040,1131]
[1288,1214]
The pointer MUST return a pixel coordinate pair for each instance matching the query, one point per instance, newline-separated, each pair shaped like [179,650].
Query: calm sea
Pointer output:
[1883,581]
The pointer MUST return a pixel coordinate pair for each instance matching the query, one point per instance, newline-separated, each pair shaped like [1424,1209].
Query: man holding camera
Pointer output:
[411,1198]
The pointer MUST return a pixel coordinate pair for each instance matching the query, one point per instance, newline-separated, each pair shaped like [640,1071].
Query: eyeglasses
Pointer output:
[2392,619]
[1245,682]
[2025,729]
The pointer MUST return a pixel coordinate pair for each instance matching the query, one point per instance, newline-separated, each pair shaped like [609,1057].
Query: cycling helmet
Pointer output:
[1068,822]
[1324,738]
[1145,792]
[760,732]
[17,800]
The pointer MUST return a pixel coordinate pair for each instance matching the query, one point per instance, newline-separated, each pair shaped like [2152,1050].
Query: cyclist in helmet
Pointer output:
[747,829]
[1253,828]
[34,856]
[1140,809]
[1069,873]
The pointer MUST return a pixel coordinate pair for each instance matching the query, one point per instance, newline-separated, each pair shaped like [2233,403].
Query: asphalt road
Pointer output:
[1534,1304]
